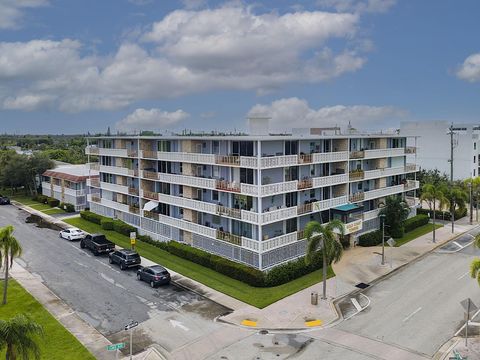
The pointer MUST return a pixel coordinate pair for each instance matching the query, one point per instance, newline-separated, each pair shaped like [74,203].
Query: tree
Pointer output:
[9,249]
[433,177]
[396,211]
[324,237]
[433,195]
[457,198]
[20,336]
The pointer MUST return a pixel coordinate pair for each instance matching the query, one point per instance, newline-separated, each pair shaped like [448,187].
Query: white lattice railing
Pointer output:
[386,191]
[278,161]
[330,180]
[369,215]
[329,203]
[114,187]
[187,180]
[250,216]
[279,188]
[187,157]
[188,203]
[248,162]
[114,170]
[278,241]
[278,215]
[250,244]
[379,153]
[330,157]
[248,189]
[114,205]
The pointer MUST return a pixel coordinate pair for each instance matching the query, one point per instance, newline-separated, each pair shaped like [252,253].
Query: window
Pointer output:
[291,147]
[165,167]
[474,146]
[108,144]
[164,145]
[214,195]
[246,176]
[473,172]
[360,186]
[312,193]
[474,158]
[180,189]
[216,219]
[216,147]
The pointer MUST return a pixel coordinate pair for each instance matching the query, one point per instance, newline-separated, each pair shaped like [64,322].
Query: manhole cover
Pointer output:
[263,332]
[362,285]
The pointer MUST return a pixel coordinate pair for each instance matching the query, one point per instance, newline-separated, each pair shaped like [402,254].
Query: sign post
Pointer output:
[133,239]
[130,326]
[391,243]
[116,347]
[469,307]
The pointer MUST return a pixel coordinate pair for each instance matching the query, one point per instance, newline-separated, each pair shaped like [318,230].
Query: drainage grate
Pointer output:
[263,332]
[362,285]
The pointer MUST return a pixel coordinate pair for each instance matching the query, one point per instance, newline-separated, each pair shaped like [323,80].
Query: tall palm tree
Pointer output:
[324,237]
[9,249]
[396,211]
[475,264]
[433,194]
[20,336]
[458,199]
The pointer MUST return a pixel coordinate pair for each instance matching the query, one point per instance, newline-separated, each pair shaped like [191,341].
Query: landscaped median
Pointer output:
[257,296]
[40,203]
[57,343]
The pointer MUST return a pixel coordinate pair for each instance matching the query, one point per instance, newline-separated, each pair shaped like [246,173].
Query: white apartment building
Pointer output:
[248,198]
[433,146]
[68,184]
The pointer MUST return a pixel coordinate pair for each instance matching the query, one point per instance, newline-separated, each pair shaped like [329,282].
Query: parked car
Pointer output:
[155,275]
[97,243]
[72,234]
[4,200]
[125,258]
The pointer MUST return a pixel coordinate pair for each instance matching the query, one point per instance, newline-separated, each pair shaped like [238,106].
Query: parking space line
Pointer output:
[456,243]
[461,277]
[356,304]
[409,316]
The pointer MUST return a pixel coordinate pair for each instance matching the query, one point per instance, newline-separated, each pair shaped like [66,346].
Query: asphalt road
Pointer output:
[418,307]
[108,298]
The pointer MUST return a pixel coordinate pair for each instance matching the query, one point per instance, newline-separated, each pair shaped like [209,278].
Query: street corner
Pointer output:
[350,306]
[309,323]
[249,323]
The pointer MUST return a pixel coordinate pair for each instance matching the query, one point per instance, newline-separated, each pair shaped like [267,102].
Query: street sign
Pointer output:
[115,347]
[132,241]
[133,235]
[131,325]
[471,309]
[391,242]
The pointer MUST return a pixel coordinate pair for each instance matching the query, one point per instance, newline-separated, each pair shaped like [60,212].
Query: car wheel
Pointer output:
[139,277]
[110,260]
[95,253]
[60,235]
[152,284]
[82,244]
[122,267]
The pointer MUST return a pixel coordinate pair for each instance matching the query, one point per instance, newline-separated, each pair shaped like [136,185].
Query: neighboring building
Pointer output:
[433,146]
[248,198]
[68,183]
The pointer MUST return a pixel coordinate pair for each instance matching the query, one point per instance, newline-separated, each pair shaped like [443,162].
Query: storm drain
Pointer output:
[263,332]
[362,285]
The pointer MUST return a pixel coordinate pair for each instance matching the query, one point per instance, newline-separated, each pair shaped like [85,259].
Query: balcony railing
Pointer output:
[132,153]
[380,153]
[133,191]
[305,184]
[150,195]
[150,154]
[411,168]
[304,208]
[305,158]
[228,237]
[385,191]
[227,185]
[94,182]
[150,175]
[410,150]
[227,160]
[357,154]
[411,185]
[96,198]
[134,209]
[227,211]
[359,196]
[356,175]
[91,150]
[94,166]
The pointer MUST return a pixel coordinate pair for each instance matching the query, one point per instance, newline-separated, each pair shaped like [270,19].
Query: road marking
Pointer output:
[313,323]
[143,300]
[108,279]
[356,304]
[120,286]
[456,243]
[409,316]
[108,266]
[467,273]
[178,324]
[79,263]
[249,323]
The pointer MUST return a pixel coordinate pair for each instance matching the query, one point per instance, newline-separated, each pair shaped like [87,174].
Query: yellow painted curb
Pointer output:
[249,323]
[313,323]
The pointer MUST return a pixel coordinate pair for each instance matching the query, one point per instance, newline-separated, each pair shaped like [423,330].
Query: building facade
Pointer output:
[433,146]
[68,184]
[248,198]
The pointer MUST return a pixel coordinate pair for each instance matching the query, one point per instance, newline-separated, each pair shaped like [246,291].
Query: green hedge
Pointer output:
[278,275]
[53,202]
[372,238]
[415,222]
[445,215]
[106,223]
[40,198]
[70,208]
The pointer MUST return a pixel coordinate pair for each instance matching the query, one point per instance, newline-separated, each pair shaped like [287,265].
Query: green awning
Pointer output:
[347,207]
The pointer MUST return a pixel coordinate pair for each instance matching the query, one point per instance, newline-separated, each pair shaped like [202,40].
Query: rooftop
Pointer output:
[74,173]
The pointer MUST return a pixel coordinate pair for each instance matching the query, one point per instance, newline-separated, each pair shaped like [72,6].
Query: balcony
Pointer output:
[411,168]
[186,180]
[382,153]
[93,182]
[279,241]
[187,203]
[227,160]
[225,185]
[356,175]
[114,187]
[91,150]
[94,166]
[133,191]
[304,208]
[305,184]
[359,196]
[412,201]
[230,212]
[369,215]
[149,154]
[329,180]
[150,195]
[95,198]
[151,175]
[412,185]
[382,192]
[132,153]
[410,150]
[134,209]
[117,170]
[335,156]
[273,215]
[278,161]
[357,154]
[182,224]
[230,238]
[279,188]
[271,161]
[305,159]
[113,152]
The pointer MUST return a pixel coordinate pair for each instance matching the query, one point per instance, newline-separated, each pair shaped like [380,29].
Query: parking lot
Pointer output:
[107,297]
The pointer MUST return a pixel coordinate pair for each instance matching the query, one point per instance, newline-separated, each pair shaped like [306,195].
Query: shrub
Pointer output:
[396,232]
[415,222]
[70,208]
[40,198]
[443,215]
[92,217]
[123,228]
[292,270]
[106,223]
[53,202]
[372,238]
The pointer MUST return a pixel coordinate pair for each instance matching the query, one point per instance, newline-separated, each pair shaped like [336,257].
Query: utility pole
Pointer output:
[470,185]
[452,209]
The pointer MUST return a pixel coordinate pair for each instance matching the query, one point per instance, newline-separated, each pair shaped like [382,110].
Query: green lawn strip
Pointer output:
[51,211]
[415,233]
[258,297]
[58,343]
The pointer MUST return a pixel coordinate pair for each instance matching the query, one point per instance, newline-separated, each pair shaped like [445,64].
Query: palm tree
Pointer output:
[396,211]
[433,194]
[458,199]
[20,335]
[475,264]
[9,249]
[324,237]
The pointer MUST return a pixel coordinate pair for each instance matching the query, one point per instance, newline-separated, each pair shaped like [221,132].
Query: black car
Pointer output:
[125,258]
[4,200]
[97,243]
[155,275]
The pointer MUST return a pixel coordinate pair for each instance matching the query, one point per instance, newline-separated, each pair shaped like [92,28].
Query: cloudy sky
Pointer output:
[78,66]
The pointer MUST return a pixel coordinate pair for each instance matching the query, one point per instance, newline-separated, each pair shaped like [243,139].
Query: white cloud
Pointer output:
[28,102]
[470,69]
[358,6]
[228,48]
[153,119]
[193,4]
[11,11]
[294,112]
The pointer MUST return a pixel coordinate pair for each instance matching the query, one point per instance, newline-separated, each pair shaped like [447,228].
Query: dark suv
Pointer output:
[155,275]
[4,200]
[125,258]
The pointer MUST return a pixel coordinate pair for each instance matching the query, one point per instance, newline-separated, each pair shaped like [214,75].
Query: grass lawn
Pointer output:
[58,343]
[54,210]
[259,297]
[415,233]
[45,208]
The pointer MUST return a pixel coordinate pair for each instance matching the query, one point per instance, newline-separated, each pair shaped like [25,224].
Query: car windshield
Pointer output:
[76,231]
[164,272]
[133,256]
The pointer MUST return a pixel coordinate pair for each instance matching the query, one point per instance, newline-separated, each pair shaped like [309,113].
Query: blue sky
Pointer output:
[78,66]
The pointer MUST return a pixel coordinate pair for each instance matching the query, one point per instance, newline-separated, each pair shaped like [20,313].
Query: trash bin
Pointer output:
[314,298]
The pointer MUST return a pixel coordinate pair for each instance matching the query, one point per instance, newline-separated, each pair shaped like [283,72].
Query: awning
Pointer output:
[149,206]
